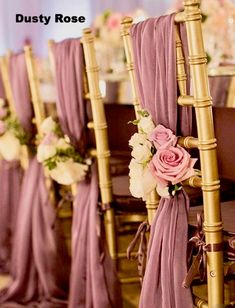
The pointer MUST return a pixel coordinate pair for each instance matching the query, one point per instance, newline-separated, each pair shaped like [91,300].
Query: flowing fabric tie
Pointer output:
[229,246]
[199,263]
[141,255]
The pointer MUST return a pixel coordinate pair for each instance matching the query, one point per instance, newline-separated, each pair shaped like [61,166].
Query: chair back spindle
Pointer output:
[101,137]
[207,148]
[4,64]
[39,111]
[153,199]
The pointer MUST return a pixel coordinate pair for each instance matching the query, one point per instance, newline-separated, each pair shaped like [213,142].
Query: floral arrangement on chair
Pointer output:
[65,165]
[12,135]
[158,162]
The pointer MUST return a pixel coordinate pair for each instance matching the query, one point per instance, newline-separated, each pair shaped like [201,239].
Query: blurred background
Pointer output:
[104,16]
[13,35]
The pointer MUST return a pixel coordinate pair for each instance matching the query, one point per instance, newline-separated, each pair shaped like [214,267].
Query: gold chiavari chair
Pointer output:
[56,191]
[9,97]
[205,142]
[101,152]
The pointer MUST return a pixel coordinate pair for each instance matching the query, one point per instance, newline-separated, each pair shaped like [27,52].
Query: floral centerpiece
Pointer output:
[64,164]
[109,44]
[12,135]
[218,25]
[158,162]
[219,29]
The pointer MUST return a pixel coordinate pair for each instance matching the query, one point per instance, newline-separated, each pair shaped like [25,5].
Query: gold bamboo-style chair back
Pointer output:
[206,142]
[102,151]
[39,111]
[4,64]
[99,125]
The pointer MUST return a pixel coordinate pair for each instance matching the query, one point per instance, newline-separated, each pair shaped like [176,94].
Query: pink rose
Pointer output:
[3,113]
[114,21]
[172,165]
[162,137]
[49,139]
[2,127]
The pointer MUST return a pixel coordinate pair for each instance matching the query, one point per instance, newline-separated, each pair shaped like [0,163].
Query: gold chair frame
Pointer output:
[101,136]
[99,125]
[4,65]
[39,111]
[206,142]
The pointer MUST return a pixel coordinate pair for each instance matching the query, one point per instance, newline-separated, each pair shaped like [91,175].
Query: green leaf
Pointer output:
[134,122]
[208,57]
[204,17]
[143,113]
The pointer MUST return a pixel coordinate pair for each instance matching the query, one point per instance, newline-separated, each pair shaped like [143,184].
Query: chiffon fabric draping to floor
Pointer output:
[10,182]
[93,281]
[155,60]
[37,280]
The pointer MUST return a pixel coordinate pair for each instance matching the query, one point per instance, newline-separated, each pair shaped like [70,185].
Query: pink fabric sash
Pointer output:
[155,63]
[2,91]
[21,91]
[70,105]
[93,281]
[36,266]
[10,183]
[10,176]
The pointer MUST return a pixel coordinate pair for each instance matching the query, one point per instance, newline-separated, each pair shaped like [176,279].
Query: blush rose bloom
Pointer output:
[162,137]
[3,113]
[172,165]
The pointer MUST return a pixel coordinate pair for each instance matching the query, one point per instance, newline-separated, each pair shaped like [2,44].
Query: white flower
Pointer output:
[142,152]
[48,125]
[141,180]
[146,124]
[10,147]
[163,191]
[137,138]
[68,172]
[136,184]
[149,182]
[62,144]
[45,151]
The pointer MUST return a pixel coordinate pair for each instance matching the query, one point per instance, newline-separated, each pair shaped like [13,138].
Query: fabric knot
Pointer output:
[230,248]
[141,254]
[200,261]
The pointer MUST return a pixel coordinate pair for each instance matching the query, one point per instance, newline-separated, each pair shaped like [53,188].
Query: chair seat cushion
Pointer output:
[123,200]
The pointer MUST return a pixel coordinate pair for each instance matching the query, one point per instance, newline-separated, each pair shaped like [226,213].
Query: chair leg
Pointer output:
[110,230]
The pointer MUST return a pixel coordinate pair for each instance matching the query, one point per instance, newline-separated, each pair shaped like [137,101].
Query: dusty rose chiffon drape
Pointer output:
[155,60]
[10,176]
[93,281]
[36,266]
